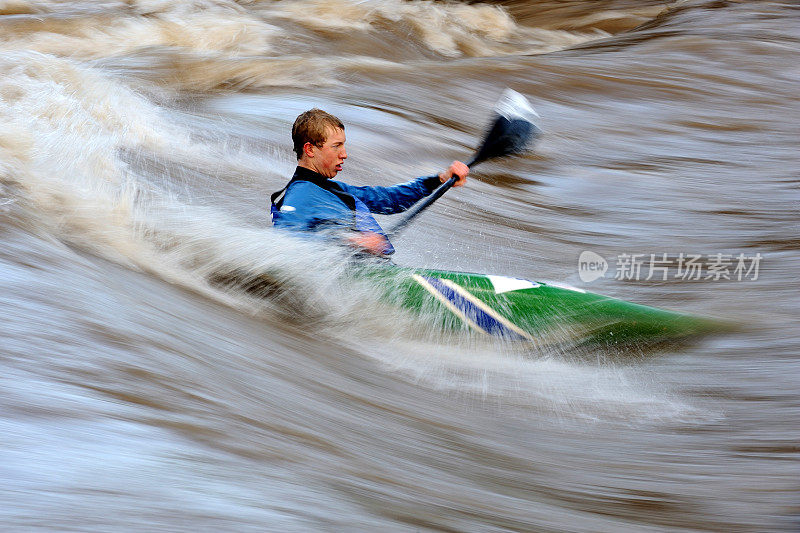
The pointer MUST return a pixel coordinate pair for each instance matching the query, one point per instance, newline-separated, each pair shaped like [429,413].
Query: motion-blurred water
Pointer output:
[140,141]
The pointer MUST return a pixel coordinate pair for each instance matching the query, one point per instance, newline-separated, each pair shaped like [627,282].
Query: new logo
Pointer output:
[591,266]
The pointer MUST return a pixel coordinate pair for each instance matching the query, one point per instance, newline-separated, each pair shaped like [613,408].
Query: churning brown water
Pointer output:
[140,141]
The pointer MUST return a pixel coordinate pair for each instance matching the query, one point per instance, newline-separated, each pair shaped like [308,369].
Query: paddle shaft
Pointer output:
[427,203]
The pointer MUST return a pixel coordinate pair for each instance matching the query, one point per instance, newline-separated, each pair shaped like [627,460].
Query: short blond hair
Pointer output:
[312,127]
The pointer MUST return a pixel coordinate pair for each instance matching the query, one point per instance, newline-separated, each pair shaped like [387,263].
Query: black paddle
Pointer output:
[510,133]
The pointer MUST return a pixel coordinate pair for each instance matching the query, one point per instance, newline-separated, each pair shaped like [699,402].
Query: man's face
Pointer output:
[328,158]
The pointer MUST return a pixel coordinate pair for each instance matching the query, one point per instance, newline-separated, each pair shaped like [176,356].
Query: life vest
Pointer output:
[362,220]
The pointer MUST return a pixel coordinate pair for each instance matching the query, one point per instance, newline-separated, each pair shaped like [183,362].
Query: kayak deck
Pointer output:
[523,310]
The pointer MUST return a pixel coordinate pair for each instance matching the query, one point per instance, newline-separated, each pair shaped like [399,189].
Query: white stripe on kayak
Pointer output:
[503,284]
[480,304]
[447,303]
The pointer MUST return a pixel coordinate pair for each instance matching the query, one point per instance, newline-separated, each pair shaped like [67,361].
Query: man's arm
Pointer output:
[398,198]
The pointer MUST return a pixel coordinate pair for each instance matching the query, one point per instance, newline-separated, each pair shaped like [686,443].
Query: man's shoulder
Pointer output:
[308,191]
[303,186]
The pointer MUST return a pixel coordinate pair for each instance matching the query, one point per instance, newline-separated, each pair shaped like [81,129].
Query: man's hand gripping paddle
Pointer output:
[511,133]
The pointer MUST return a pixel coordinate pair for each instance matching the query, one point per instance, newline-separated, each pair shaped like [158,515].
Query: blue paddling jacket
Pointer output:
[311,202]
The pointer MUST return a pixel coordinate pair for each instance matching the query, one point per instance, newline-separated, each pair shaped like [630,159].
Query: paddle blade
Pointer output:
[512,130]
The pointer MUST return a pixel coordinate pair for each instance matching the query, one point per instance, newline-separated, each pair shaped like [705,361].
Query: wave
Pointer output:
[222,44]
[90,162]
[191,26]
[66,149]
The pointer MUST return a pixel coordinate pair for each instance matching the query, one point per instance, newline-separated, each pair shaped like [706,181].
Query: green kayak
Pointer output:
[530,311]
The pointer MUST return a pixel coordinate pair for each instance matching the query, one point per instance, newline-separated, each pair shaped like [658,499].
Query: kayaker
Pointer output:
[313,202]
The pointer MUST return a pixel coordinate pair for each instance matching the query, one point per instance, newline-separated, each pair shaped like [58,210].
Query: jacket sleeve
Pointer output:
[394,199]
